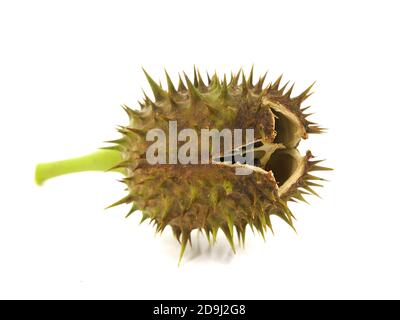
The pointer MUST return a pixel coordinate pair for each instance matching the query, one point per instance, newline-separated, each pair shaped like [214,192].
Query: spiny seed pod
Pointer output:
[211,196]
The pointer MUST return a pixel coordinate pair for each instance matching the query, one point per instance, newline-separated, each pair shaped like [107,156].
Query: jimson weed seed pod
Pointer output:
[179,181]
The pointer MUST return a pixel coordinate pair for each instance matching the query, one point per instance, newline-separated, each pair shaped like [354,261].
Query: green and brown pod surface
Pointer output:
[211,197]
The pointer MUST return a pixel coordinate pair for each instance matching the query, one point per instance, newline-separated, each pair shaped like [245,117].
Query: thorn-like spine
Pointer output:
[194,94]
[224,88]
[202,86]
[126,199]
[184,241]
[244,84]
[181,86]
[195,80]
[250,79]
[276,84]
[171,89]
[159,93]
[259,86]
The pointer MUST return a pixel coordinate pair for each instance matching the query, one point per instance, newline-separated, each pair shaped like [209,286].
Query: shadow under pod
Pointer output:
[201,250]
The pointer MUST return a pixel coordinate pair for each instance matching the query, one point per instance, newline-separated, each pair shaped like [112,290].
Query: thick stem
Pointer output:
[101,160]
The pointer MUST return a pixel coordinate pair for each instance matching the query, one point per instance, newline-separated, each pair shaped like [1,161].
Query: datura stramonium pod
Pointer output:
[211,196]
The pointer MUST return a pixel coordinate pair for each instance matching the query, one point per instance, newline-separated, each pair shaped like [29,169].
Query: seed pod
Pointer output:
[211,196]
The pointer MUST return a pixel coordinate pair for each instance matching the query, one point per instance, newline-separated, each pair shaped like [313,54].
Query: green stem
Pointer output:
[101,160]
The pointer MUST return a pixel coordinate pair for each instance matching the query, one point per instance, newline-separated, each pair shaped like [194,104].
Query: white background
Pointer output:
[67,66]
